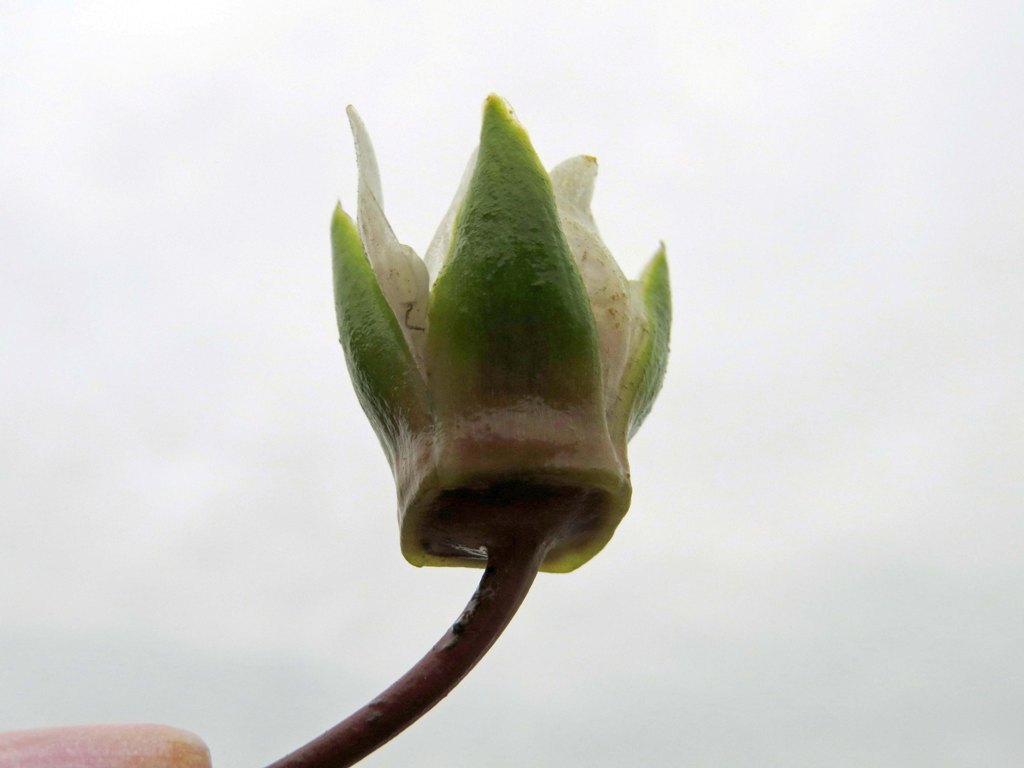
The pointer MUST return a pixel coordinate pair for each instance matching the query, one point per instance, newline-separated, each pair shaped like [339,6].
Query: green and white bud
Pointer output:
[504,391]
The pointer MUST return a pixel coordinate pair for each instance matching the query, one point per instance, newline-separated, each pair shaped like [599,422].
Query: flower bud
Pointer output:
[505,391]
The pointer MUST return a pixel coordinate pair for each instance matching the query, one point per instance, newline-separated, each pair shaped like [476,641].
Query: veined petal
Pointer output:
[607,287]
[652,326]
[439,247]
[401,273]
[386,379]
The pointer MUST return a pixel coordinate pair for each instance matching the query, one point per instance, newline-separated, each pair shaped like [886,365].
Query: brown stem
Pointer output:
[507,578]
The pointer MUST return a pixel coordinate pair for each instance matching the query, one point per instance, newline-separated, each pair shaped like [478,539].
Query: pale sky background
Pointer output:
[824,561]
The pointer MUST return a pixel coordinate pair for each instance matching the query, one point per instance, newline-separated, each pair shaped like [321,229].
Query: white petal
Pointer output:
[366,159]
[573,184]
[401,274]
[438,249]
[607,287]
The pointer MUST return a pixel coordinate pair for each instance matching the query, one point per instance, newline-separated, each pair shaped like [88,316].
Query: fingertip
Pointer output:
[104,746]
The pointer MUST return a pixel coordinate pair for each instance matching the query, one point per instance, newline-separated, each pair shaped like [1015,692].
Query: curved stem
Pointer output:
[507,578]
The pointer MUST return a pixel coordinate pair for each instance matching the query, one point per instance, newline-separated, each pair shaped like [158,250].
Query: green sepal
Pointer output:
[384,374]
[646,369]
[509,315]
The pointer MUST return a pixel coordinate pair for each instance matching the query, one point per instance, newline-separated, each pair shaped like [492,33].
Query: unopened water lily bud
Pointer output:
[504,373]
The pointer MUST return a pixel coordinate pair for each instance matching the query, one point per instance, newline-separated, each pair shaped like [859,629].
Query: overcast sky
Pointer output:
[823,561]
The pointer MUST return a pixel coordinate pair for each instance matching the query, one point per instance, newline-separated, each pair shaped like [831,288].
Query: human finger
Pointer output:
[103,746]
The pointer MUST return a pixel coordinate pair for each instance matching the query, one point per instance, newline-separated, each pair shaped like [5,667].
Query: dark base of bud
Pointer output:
[461,526]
